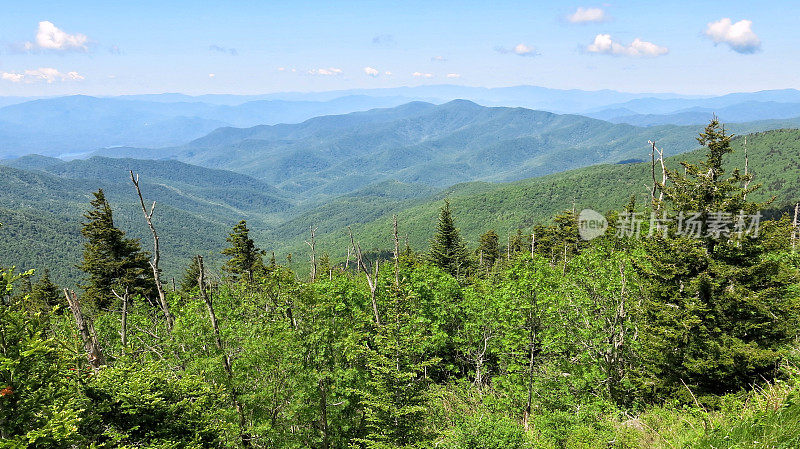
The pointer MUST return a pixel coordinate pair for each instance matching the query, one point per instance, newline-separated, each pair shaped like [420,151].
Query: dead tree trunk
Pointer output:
[86,330]
[226,360]
[396,254]
[656,185]
[313,246]
[162,297]
[372,278]
[123,328]
[794,227]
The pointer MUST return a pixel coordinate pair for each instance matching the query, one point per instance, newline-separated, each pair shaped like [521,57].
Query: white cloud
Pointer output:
[13,77]
[387,73]
[739,36]
[50,37]
[454,75]
[46,74]
[523,50]
[587,15]
[603,44]
[212,75]
[422,75]
[439,59]
[332,71]
[371,72]
[519,50]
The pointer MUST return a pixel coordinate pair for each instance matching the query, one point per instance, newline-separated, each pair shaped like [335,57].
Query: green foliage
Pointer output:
[245,258]
[448,251]
[487,431]
[111,261]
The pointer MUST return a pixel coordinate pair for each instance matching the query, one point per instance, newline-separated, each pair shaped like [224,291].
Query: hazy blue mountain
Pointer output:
[417,143]
[654,105]
[76,124]
[737,113]
[422,143]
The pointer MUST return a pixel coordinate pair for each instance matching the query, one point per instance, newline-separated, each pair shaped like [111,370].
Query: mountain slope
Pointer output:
[774,158]
[42,201]
[426,144]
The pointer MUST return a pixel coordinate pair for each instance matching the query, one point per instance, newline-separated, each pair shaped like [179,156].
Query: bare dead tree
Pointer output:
[123,328]
[794,227]
[226,360]
[657,185]
[162,297]
[396,253]
[747,178]
[533,244]
[313,245]
[86,330]
[372,275]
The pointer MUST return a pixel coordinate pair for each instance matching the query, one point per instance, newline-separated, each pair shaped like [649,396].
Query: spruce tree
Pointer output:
[45,295]
[714,322]
[190,276]
[245,257]
[448,251]
[489,248]
[111,261]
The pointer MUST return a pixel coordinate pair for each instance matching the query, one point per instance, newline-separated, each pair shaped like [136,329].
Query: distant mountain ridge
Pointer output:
[435,145]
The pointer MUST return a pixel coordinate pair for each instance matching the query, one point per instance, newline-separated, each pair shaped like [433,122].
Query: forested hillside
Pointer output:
[643,337]
[42,202]
[773,158]
[44,198]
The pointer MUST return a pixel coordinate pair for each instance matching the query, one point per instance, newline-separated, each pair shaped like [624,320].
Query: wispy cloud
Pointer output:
[519,50]
[439,59]
[219,49]
[384,39]
[422,75]
[454,75]
[42,74]
[50,37]
[372,71]
[603,44]
[587,15]
[331,71]
[739,36]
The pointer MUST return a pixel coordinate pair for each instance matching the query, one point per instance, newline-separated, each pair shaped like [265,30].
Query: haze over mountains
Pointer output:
[77,125]
[286,162]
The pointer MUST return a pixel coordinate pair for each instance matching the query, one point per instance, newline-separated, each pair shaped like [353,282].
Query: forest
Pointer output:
[658,338]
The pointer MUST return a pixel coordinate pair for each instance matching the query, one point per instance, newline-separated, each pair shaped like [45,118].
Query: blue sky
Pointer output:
[246,47]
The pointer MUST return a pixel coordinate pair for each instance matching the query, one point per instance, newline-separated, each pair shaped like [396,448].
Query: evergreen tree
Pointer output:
[190,276]
[448,251]
[489,249]
[394,399]
[45,295]
[112,261]
[719,306]
[245,257]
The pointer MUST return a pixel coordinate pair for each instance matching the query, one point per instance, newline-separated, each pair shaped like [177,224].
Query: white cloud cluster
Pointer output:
[422,75]
[603,44]
[46,74]
[454,75]
[739,36]
[372,71]
[587,15]
[50,37]
[332,71]
[519,50]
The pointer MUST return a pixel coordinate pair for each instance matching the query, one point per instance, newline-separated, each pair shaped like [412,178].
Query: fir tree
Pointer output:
[245,258]
[112,261]
[45,295]
[447,249]
[190,276]
[489,249]
[714,322]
